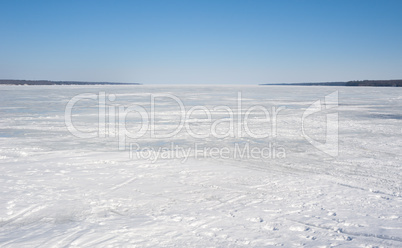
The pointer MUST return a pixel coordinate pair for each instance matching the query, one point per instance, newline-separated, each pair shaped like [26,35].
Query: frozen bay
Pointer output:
[200,166]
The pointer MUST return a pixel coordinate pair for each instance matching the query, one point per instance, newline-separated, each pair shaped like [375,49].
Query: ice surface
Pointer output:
[61,190]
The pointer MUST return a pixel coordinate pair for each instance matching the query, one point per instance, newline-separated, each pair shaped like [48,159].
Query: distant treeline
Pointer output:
[48,82]
[377,83]
[373,83]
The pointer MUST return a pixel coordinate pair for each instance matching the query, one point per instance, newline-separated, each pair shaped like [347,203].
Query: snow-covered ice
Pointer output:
[60,190]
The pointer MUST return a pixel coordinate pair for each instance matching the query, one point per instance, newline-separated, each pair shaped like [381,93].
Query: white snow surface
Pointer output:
[58,190]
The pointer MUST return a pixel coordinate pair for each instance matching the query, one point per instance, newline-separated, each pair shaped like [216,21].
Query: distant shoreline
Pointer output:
[48,82]
[367,83]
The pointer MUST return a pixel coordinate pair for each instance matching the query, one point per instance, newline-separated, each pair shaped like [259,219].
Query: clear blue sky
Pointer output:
[197,42]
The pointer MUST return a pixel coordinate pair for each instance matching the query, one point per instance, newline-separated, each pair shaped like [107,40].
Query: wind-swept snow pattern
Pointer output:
[200,166]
